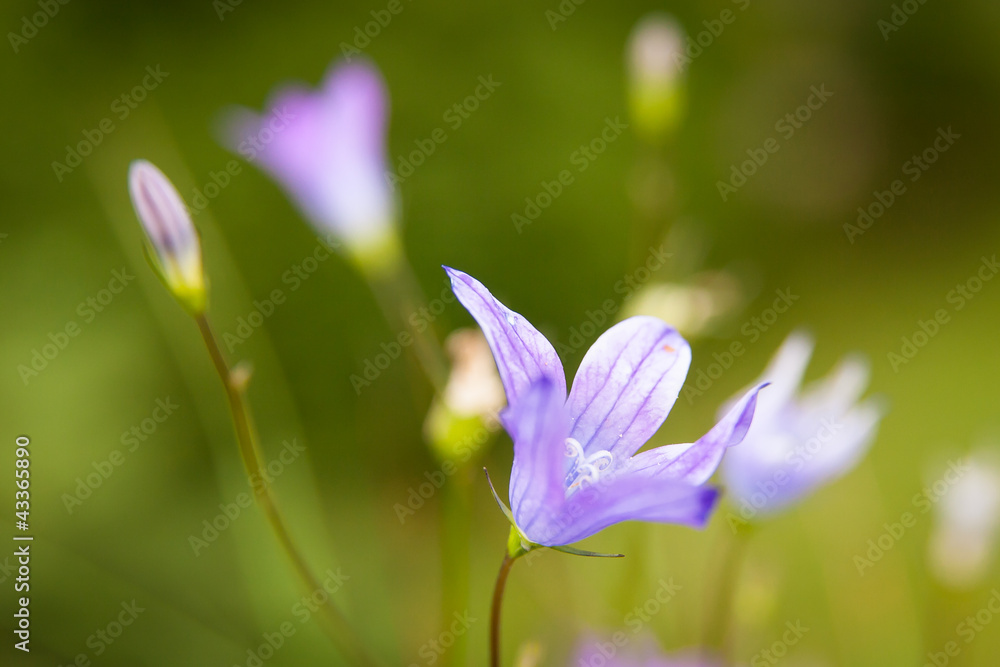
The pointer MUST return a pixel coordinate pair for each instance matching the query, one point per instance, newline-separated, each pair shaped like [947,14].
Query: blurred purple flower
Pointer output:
[801,440]
[327,149]
[593,652]
[575,470]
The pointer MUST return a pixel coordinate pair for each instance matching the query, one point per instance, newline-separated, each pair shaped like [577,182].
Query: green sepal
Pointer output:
[518,544]
[581,552]
[503,508]
[154,264]
[193,301]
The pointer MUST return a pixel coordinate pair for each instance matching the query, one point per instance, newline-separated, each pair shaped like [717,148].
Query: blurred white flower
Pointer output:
[474,387]
[655,58]
[964,538]
[801,439]
[692,307]
[465,415]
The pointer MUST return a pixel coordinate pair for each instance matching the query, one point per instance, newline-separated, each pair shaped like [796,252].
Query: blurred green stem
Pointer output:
[719,608]
[253,461]
[401,299]
[455,557]
[399,296]
[653,197]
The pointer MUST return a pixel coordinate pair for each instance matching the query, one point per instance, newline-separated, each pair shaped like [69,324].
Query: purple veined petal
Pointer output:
[522,354]
[624,497]
[161,211]
[171,234]
[539,425]
[695,463]
[626,385]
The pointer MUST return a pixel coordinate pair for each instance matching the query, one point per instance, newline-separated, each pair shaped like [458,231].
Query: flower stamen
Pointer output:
[584,469]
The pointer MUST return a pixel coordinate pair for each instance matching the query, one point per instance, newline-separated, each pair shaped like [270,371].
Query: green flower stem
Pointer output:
[400,297]
[335,623]
[455,535]
[654,200]
[718,618]
[495,609]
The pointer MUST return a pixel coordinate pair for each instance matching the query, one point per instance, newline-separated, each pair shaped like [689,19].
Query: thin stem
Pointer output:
[455,531]
[253,462]
[718,619]
[401,299]
[495,609]
[654,200]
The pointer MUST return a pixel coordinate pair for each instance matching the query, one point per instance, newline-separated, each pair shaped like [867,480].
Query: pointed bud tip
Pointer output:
[173,241]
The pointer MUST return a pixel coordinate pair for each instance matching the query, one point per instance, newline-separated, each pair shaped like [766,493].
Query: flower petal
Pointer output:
[538,424]
[523,356]
[624,497]
[785,372]
[626,385]
[327,150]
[695,463]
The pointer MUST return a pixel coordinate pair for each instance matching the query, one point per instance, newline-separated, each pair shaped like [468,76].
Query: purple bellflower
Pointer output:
[575,469]
[327,149]
[801,440]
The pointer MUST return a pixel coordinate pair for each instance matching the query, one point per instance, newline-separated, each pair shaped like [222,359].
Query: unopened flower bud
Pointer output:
[655,62]
[174,247]
[474,387]
[464,417]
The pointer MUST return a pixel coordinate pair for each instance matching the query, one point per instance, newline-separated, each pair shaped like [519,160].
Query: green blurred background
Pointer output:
[130,539]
